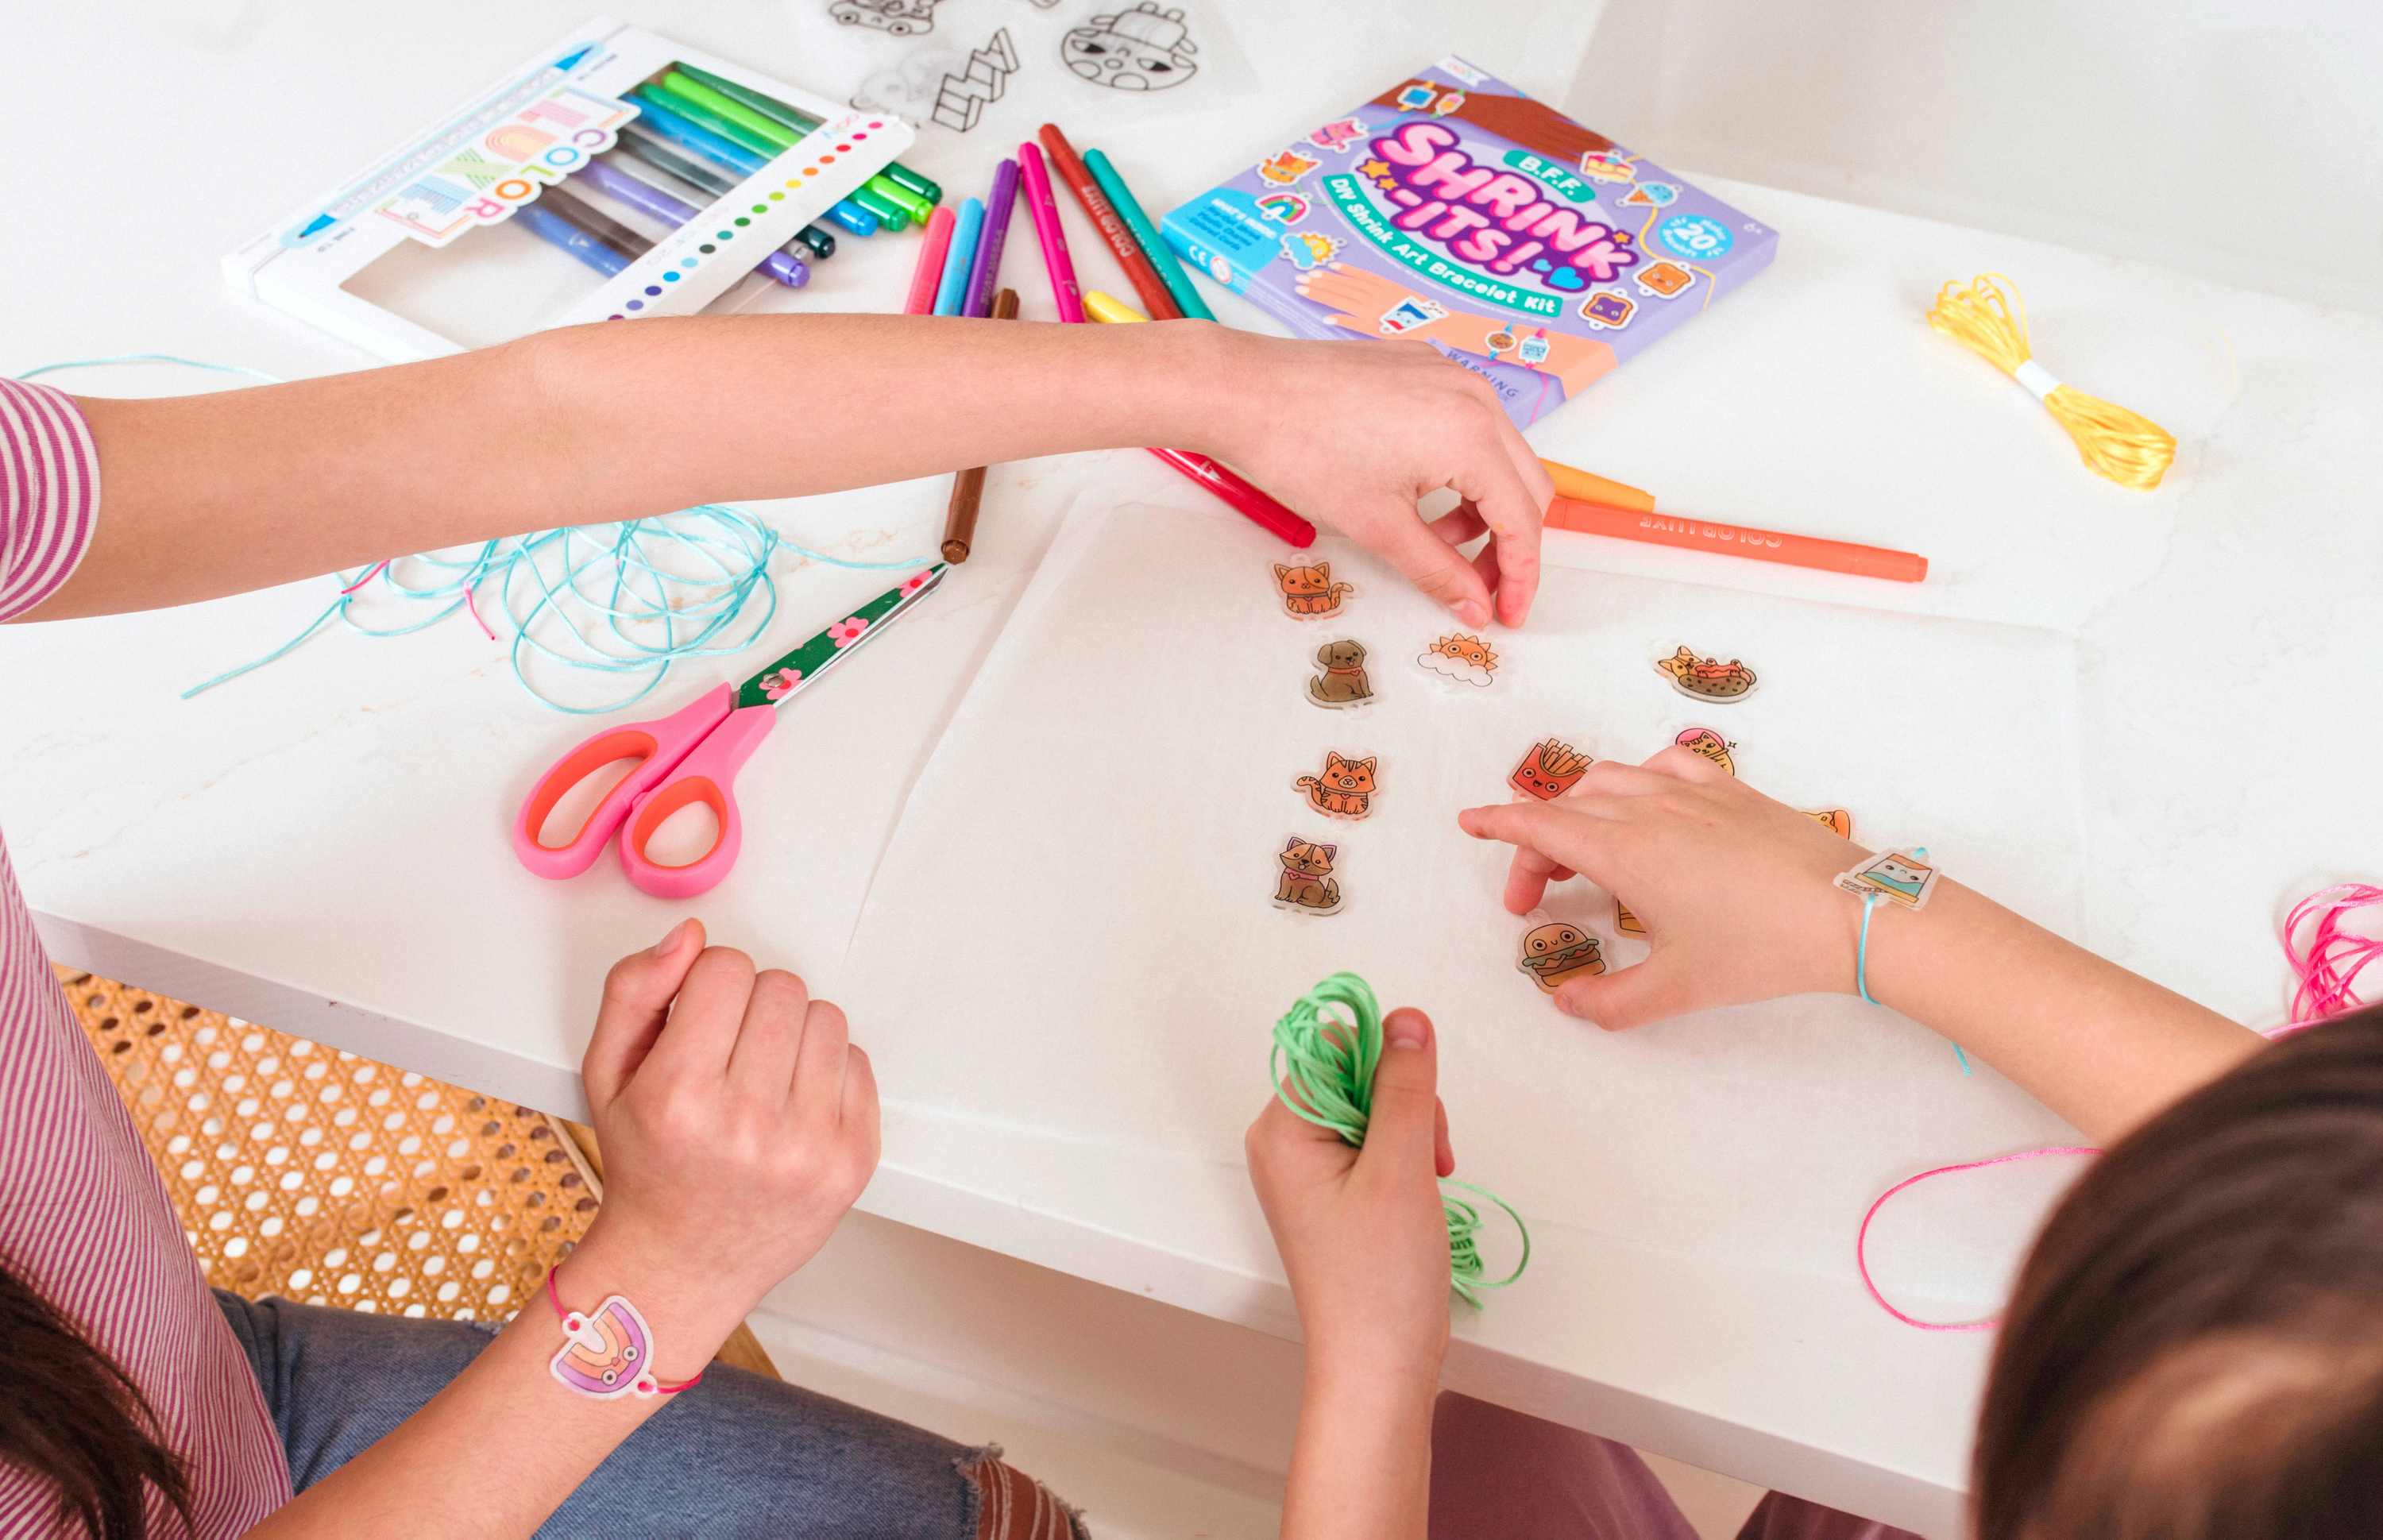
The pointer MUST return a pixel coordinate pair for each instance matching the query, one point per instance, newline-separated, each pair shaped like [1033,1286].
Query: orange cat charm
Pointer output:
[1309,593]
[1345,790]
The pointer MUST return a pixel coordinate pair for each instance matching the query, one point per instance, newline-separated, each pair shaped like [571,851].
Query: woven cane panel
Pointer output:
[321,1177]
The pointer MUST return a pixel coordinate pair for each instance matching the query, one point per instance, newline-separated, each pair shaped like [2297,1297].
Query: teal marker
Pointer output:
[1170,272]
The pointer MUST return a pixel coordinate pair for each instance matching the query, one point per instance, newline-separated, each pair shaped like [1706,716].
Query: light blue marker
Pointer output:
[953,290]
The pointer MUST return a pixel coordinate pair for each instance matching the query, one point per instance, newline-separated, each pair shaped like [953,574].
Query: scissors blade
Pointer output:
[800,670]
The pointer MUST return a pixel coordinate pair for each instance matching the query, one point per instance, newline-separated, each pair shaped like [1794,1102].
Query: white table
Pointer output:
[321,846]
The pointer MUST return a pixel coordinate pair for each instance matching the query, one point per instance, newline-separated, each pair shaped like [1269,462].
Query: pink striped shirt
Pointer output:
[83,1217]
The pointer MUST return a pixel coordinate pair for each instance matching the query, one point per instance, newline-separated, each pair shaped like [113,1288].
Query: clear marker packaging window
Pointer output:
[612,177]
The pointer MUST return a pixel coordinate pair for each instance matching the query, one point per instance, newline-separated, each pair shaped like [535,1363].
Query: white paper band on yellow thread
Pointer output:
[2039,380]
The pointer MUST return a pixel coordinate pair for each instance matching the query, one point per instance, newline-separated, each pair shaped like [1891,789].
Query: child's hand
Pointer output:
[1361,1231]
[1732,887]
[737,1123]
[1359,434]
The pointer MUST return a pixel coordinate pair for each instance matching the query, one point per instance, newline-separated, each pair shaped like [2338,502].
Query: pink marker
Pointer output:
[1046,230]
[930,263]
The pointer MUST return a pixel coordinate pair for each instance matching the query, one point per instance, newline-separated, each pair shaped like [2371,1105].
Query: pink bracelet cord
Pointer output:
[1861,1240]
[2326,970]
[563,1314]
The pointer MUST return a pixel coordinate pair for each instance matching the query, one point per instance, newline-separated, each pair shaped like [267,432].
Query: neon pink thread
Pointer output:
[366,578]
[2329,965]
[475,610]
[563,1314]
[1861,1240]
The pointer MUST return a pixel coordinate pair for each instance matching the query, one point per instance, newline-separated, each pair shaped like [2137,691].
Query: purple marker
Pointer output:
[651,201]
[985,267]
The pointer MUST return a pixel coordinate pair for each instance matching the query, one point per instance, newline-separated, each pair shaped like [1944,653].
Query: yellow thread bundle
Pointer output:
[2123,446]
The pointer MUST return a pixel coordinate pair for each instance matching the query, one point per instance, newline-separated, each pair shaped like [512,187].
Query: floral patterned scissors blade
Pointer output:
[691,755]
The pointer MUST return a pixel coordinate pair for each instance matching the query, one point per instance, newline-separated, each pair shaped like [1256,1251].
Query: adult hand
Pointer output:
[738,1122]
[1361,434]
[1732,887]
[1361,1230]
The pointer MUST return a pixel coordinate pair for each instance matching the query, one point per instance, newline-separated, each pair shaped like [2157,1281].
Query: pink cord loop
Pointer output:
[2328,967]
[1861,1240]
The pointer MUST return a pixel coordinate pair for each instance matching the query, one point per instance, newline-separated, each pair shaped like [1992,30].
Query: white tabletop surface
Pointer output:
[322,845]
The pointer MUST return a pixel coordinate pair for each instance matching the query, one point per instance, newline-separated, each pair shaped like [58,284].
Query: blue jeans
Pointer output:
[739,1454]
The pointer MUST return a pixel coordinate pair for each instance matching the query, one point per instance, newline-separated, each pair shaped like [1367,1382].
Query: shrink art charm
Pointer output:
[1557,951]
[1457,656]
[1304,884]
[1309,593]
[1341,682]
[1345,790]
[1707,678]
[1550,769]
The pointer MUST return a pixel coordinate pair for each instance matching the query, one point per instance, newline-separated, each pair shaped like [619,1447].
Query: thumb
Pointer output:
[638,995]
[1403,1131]
[1434,566]
[1631,996]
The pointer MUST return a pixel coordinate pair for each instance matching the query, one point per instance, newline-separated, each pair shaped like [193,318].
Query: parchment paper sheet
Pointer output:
[1071,929]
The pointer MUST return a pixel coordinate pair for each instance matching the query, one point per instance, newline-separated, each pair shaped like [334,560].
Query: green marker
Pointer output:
[802,122]
[891,215]
[1170,272]
[727,108]
[704,117]
[901,197]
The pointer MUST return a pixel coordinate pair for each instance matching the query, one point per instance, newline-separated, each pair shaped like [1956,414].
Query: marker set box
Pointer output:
[614,175]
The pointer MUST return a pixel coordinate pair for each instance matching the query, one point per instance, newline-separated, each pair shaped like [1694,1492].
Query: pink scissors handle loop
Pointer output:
[703,776]
[662,744]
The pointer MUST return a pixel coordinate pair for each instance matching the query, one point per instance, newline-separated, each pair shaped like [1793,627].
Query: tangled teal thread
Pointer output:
[1327,1048]
[626,600]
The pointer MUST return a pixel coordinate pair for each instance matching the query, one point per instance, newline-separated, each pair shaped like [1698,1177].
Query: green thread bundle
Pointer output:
[1332,1041]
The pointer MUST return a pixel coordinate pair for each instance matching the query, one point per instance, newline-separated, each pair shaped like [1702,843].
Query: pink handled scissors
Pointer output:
[691,755]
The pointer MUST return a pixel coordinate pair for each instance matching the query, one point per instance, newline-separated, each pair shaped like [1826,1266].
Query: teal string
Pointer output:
[153,358]
[1861,956]
[1327,1048]
[628,600]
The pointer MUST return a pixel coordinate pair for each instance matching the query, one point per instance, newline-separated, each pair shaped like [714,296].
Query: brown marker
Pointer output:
[968,488]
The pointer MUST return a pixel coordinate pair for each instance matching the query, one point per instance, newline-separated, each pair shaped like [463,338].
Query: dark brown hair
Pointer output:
[2195,1347]
[70,1413]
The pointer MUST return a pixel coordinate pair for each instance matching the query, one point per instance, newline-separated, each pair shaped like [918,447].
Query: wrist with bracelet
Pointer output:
[609,1353]
[1904,878]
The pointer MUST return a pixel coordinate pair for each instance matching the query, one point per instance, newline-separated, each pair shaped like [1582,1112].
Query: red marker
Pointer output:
[1246,498]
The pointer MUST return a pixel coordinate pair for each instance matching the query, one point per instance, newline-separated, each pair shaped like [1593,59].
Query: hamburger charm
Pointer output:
[1556,952]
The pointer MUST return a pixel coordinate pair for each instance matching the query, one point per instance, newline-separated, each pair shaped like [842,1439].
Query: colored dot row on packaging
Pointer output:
[721,238]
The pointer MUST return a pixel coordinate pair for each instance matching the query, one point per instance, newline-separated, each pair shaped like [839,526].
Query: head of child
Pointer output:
[2195,1347]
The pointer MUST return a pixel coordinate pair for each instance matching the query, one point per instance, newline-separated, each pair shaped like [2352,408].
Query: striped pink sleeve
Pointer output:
[49,493]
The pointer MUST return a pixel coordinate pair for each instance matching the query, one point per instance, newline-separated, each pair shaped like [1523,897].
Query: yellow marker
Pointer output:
[1579,486]
[1104,307]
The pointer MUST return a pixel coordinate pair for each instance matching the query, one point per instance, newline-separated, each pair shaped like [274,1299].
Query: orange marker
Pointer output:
[1649,527]
[1581,486]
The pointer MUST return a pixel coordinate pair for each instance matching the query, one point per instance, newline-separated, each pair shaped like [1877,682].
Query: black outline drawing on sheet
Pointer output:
[900,17]
[961,100]
[1141,49]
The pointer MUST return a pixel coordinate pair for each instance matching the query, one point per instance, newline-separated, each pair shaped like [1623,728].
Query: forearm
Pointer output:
[2103,1047]
[505,1443]
[1361,1463]
[214,494]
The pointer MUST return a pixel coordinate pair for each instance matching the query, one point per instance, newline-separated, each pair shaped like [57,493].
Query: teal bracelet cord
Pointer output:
[1331,1038]
[1861,959]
